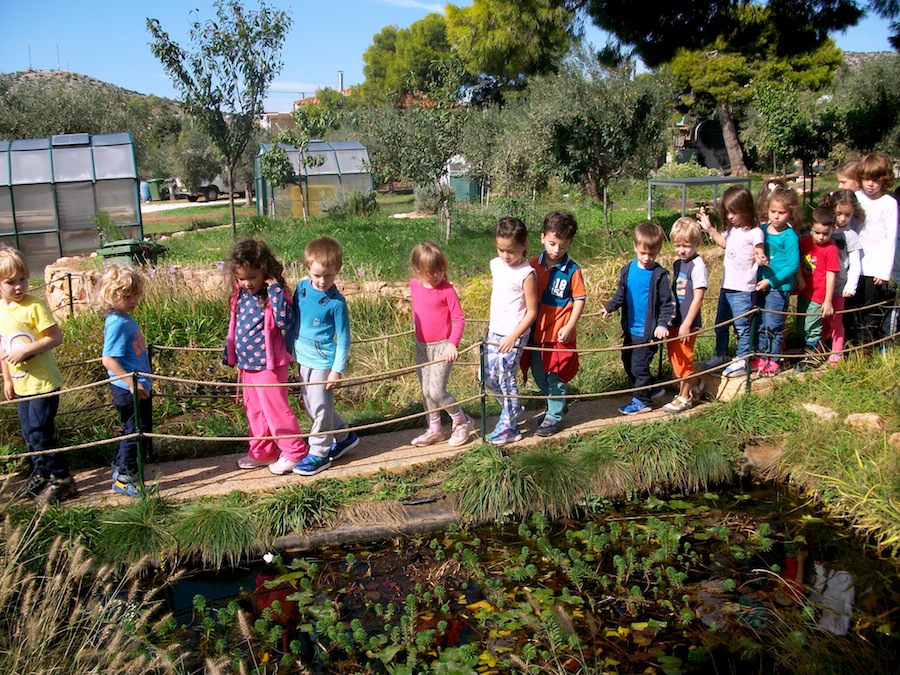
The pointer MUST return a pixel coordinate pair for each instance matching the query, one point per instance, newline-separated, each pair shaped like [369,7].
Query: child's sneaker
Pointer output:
[698,391]
[714,362]
[248,462]
[338,450]
[678,404]
[311,465]
[461,432]
[735,369]
[549,426]
[771,369]
[125,486]
[758,364]
[834,360]
[59,489]
[657,392]
[35,487]
[505,436]
[430,437]
[282,466]
[636,407]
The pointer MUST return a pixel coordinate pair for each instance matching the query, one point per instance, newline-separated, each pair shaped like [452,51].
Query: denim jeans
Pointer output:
[771,324]
[732,304]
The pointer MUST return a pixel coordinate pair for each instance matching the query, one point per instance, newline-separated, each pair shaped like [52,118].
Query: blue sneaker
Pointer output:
[312,464]
[636,407]
[656,392]
[124,486]
[338,450]
[505,436]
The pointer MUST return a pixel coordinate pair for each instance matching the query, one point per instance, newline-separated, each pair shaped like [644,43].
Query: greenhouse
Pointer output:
[345,166]
[52,191]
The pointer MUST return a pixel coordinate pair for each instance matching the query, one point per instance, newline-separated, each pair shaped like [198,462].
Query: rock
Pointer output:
[866,421]
[821,411]
[763,457]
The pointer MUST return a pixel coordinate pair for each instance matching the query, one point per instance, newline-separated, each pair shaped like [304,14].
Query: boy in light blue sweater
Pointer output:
[321,340]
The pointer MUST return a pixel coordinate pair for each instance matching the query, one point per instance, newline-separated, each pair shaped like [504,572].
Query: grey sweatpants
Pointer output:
[319,404]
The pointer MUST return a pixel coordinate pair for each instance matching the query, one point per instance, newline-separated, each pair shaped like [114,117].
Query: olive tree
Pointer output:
[224,79]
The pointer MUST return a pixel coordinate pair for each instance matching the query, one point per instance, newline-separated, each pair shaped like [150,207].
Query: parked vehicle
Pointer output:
[208,190]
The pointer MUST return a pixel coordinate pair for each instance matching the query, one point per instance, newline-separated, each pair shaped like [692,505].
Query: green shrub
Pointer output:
[690,169]
[349,203]
[428,197]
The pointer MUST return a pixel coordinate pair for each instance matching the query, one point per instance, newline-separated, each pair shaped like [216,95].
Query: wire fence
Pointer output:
[888,307]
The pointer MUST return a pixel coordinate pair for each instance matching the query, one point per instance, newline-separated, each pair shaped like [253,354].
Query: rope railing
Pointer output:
[360,380]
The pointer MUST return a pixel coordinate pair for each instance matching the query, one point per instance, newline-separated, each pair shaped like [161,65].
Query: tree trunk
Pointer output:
[229,171]
[732,145]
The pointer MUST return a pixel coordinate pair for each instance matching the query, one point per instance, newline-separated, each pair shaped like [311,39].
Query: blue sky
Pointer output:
[108,39]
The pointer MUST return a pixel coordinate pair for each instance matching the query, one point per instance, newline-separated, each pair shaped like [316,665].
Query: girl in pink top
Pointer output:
[439,323]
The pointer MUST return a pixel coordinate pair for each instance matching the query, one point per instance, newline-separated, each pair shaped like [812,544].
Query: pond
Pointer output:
[726,582]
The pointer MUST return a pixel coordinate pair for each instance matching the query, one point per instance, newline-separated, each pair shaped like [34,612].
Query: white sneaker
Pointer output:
[461,432]
[282,466]
[736,369]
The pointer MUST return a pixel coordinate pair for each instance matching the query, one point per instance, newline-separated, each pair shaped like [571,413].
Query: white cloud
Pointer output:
[416,4]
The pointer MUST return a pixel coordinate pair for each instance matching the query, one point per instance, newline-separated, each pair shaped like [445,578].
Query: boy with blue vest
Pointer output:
[561,297]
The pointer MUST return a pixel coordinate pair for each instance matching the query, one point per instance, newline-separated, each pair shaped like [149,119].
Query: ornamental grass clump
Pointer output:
[60,612]
[297,508]
[217,531]
[137,531]
[489,486]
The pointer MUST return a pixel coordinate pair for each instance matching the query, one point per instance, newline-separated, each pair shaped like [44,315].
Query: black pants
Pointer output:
[637,362]
[868,322]
[126,455]
[37,420]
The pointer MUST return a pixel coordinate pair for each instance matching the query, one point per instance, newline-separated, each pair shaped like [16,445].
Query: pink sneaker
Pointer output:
[771,369]
[248,462]
[430,437]
[758,364]
[461,432]
[834,359]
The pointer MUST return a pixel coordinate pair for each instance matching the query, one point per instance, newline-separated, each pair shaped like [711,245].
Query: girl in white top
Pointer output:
[878,238]
[742,240]
[514,303]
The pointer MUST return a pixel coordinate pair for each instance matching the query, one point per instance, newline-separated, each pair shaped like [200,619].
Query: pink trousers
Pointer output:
[270,414]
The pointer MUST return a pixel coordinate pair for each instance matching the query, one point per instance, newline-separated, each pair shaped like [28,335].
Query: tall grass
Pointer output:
[62,613]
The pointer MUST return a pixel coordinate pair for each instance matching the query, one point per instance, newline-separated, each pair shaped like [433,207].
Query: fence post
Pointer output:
[71,301]
[481,378]
[754,345]
[137,426]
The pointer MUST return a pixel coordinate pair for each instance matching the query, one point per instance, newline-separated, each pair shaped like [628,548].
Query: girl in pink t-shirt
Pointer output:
[439,323]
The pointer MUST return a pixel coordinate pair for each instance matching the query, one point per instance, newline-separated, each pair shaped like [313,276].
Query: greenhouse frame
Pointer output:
[52,189]
[345,166]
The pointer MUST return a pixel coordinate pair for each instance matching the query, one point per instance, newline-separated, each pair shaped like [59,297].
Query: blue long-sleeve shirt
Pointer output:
[783,252]
[321,337]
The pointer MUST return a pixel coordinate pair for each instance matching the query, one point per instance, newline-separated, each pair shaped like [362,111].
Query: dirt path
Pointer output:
[208,476]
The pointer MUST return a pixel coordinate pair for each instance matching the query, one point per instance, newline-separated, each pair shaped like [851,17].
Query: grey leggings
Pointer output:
[433,380]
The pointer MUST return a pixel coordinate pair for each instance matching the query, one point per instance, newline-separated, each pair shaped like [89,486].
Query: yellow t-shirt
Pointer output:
[23,323]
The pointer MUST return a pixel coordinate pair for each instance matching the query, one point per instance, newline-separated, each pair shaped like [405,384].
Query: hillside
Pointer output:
[60,77]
